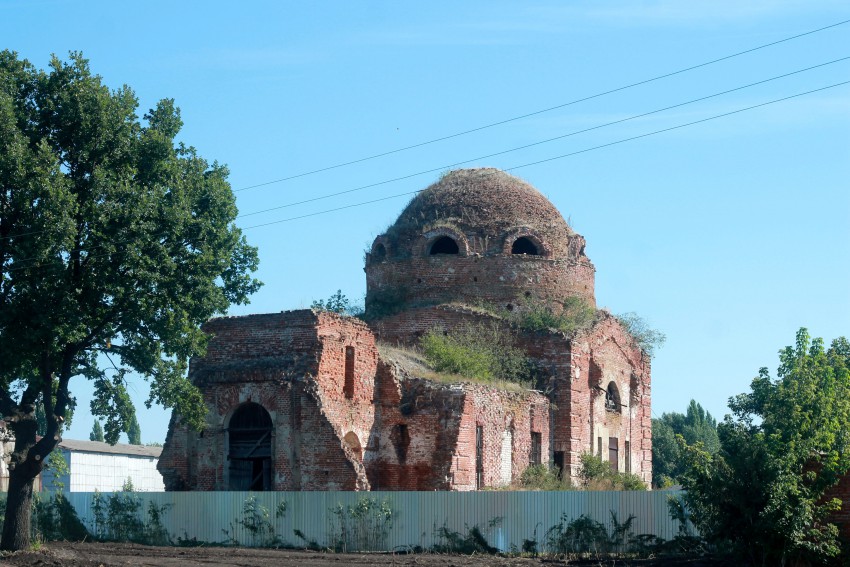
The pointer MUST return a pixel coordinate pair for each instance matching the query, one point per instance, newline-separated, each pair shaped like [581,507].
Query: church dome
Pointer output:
[477,235]
[487,203]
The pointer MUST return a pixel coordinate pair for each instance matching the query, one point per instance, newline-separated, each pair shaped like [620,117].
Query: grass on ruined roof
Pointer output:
[414,362]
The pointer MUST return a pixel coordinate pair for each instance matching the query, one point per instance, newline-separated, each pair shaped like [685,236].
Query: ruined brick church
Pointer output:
[313,400]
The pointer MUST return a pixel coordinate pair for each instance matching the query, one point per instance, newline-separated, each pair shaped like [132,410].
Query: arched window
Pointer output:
[444,245]
[612,398]
[250,448]
[524,245]
[379,254]
[353,443]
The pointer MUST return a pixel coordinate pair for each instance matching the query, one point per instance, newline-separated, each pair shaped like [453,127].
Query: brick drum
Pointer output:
[310,400]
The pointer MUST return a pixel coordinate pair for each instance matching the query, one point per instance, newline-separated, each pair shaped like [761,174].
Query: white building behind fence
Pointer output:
[94,465]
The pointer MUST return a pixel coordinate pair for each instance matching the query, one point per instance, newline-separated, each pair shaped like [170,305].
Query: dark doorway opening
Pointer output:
[613,454]
[250,448]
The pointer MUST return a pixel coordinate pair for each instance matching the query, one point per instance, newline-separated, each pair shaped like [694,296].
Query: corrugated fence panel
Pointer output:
[505,518]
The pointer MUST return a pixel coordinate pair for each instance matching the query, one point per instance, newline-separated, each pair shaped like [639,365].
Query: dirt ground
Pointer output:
[115,554]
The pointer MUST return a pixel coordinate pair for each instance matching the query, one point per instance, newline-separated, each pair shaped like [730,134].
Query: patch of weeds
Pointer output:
[364,526]
[585,538]
[120,517]
[542,477]
[483,351]
[310,544]
[257,520]
[568,316]
[450,541]
[647,339]
[596,474]
[55,519]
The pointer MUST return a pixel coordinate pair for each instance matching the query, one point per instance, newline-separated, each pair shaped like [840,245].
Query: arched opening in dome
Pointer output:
[379,254]
[444,245]
[612,398]
[524,245]
[250,448]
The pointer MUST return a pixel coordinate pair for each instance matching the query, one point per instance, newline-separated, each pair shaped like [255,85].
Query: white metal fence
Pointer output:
[505,518]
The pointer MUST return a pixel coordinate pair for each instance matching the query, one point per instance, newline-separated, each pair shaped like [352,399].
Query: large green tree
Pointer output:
[696,425]
[766,492]
[116,243]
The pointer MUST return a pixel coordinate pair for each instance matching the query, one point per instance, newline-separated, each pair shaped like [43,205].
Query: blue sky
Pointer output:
[727,235]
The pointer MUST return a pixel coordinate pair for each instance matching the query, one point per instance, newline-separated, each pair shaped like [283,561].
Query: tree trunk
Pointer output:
[26,463]
[16,526]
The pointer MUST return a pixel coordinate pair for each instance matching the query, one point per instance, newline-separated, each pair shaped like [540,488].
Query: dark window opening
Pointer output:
[536,448]
[559,462]
[479,457]
[444,245]
[599,445]
[612,398]
[628,456]
[380,253]
[348,387]
[401,441]
[250,448]
[524,245]
[613,457]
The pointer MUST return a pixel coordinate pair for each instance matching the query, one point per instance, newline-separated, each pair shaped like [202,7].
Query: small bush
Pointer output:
[596,474]
[647,339]
[542,477]
[365,526]
[450,541]
[257,521]
[569,316]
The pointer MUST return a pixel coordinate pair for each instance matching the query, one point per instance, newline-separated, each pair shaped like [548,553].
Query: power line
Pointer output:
[452,165]
[529,164]
[541,111]
[562,156]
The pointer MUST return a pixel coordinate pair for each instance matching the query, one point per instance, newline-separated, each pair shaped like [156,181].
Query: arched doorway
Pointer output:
[250,448]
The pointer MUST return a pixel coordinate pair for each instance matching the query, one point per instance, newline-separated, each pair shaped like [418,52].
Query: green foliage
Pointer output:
[543,477]
[96,432]
[119,517]
[257,521]
[55,519]
[134,432]
[764,493]
[474,541]
[647,339]
[126,234]
[584,537]
[695,426]
[596,474]
[57,464]
[483,351]
[365,526]
[569,316]
[338,303]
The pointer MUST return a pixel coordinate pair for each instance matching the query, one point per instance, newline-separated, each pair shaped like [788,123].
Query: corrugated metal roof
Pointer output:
[117,449]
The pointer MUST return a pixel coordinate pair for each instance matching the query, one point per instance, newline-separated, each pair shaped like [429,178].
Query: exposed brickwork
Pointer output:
[345,418]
